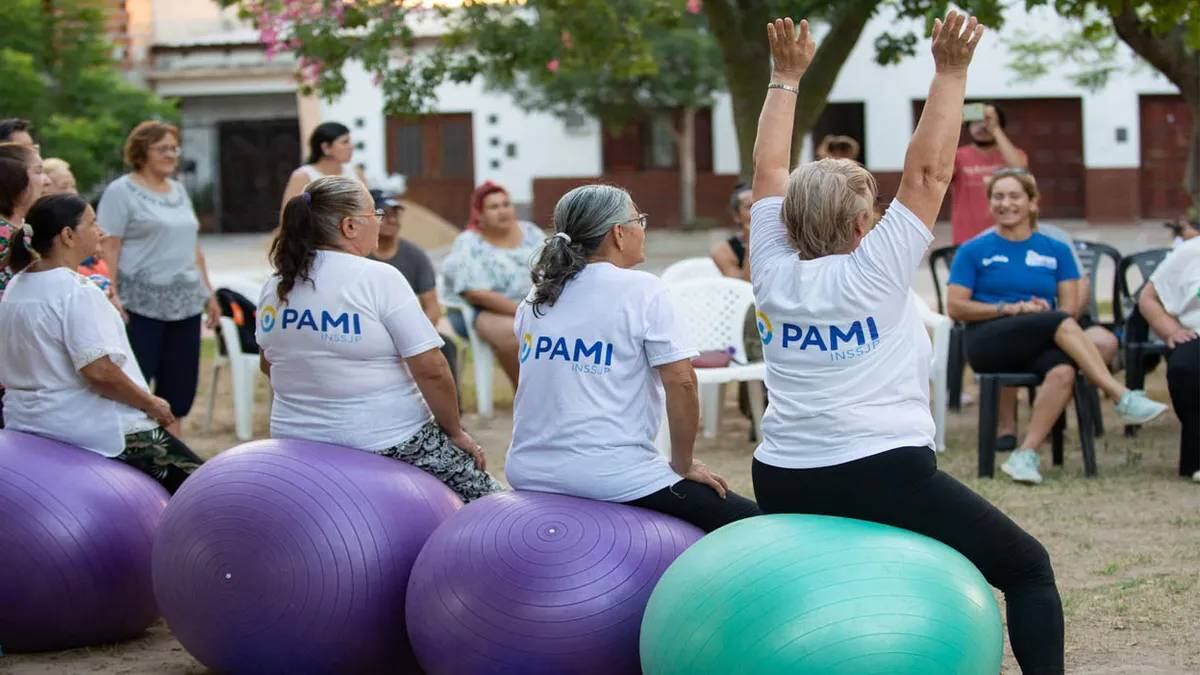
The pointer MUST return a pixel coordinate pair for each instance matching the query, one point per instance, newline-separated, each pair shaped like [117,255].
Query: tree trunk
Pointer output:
[742,35]
[686,142]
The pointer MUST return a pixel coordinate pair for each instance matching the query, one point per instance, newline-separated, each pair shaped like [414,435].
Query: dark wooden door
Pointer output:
[436,154]
[1166,127]
[842,119]
[256,159]
[1050,131]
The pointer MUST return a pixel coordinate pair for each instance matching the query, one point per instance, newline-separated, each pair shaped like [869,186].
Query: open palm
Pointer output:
[792,48]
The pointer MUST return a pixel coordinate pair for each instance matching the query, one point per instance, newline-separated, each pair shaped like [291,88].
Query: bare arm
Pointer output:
[1069,298]
[491,301]
[112,256]
[683,416]
[1160,319]
[295,186]
[929,162]
[792,49]
[106,378]
[1013,157]
[1083,297]
[429,305]
[726,261]
[433,377]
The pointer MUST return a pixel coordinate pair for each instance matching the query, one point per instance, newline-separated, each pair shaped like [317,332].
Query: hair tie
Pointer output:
[27,238]
[307,197]
[563,235]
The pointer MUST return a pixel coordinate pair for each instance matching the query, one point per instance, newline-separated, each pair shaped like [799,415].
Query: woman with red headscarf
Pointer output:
[489,269]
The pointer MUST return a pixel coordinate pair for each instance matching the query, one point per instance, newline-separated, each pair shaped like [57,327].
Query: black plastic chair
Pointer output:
[990,385]
[1142,352]
[957,359]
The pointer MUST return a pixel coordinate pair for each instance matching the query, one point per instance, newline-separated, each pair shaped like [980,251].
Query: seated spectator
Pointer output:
[65,360]
[351,357]
[1170,302]
[412,262]
[1184,229]
[62,181]
[1017,290]
[584,423]
[838,147]
[731,256]
[488,269]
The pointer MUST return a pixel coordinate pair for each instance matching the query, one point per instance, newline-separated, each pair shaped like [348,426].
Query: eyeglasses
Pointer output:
[640,219]
[165,149]
[377,214]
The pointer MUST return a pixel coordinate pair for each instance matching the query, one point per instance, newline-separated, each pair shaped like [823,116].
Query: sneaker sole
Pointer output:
[1022,480]
[1147,420]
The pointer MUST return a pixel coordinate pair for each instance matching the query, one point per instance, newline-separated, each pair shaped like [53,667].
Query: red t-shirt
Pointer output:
[969,210]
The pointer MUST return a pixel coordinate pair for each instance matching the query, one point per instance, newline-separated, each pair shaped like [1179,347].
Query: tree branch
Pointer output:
[1168,53]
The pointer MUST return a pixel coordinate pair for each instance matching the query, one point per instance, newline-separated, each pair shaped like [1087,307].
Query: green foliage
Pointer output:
[60,73]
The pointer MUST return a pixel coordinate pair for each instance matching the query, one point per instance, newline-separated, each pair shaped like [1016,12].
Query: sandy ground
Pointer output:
[1125,545]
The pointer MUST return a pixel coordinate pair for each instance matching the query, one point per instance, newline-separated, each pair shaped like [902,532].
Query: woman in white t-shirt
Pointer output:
[849,431]
[330,150]
[1171,304]
[600,346]
[352,358]
[65,362]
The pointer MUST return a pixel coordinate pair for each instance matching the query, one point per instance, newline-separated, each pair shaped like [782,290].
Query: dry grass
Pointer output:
[1125,545]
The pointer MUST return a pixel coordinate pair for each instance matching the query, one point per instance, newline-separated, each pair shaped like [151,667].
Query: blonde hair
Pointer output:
[1028,183]
[822,204]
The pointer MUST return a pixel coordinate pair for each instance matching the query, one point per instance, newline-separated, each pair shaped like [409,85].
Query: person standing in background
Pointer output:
[159,276]
[330,150]
[989,151]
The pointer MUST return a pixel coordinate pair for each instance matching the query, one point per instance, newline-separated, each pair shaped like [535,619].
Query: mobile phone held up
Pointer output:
[973,112]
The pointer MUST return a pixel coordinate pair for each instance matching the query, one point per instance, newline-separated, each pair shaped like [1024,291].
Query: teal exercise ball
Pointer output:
[794,593]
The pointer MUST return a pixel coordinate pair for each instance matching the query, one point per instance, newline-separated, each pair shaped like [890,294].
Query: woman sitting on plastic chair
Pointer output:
[1017,289]
[599,345]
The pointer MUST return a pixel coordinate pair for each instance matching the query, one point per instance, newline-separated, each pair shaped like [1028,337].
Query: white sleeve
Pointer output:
[769,241]
[666,339]
[1170,278]
[890,254]
[112,213]
[402,316]
[92,329]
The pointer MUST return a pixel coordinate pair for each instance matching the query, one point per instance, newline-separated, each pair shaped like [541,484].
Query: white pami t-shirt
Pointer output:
[847,355]
[589,401]
[52,325]
[337,350]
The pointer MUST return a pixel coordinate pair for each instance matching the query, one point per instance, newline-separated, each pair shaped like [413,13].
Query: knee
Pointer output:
[1061,375]
[1106,343]
[1030,565]
[1069,325]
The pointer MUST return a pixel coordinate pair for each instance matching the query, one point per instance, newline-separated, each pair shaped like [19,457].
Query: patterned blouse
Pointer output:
[6,233]
[476,265]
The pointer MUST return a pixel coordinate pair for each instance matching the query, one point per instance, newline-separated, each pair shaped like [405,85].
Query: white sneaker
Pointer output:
[1136,408]
[1196,476]
[1022,467]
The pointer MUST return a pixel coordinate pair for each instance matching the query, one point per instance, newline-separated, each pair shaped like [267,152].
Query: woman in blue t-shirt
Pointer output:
[1016,289]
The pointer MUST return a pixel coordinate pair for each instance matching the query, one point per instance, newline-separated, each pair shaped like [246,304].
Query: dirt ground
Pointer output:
[1125,545]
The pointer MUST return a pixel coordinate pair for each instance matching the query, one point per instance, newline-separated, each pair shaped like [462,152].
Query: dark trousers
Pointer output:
[699,505]
[904,488]
[1183,381]
[168,352]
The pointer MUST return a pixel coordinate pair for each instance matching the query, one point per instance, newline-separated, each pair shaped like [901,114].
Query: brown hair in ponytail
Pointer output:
[311,220]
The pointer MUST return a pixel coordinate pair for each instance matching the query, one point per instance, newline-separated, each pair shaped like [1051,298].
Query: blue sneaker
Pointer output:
[1135,408]
[1022,467]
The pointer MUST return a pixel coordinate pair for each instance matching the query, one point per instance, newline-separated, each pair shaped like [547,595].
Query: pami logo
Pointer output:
[590,358]
[344,327]
[843,342]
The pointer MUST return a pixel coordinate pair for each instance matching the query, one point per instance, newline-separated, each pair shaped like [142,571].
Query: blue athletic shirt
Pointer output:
[999,270]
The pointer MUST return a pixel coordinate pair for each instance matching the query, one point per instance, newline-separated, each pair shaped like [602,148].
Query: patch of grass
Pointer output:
[1125,563]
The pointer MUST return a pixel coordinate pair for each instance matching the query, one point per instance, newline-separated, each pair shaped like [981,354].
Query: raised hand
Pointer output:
[790,52]
[954,42]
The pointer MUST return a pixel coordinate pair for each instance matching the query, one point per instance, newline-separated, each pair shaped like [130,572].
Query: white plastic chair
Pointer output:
[714,311]
[243,369]
[939,327]
[689,269]
[481,353]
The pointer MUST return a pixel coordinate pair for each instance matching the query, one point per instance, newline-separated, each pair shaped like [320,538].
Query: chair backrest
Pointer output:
[714,311]
[242,316]
[1092,255]
[1133,273]
[689,269]
[942,257]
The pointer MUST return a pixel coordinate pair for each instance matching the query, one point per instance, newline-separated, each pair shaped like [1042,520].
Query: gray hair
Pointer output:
[584,215]
[823,200]
[312,220]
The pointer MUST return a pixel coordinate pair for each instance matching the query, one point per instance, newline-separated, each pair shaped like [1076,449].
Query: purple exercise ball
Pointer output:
[531,583]
[285,556]
[76,530]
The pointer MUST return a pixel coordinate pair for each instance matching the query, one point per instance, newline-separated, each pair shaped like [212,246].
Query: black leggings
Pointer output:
[1183,381]
[698,504]
[1016,344]
[904,488]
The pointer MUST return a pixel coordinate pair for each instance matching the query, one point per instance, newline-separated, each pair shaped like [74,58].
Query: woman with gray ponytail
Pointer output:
[351,356]
[600,348]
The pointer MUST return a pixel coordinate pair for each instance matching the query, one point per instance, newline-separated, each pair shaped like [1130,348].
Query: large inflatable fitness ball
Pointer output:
[284,556]
[535,583]
[816,594]
[76,530]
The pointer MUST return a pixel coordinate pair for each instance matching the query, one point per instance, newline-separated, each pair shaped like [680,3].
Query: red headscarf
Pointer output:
[481,193]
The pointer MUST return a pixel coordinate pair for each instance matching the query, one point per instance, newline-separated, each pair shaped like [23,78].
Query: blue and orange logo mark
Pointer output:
[267,318]
[765,330]
[526,347]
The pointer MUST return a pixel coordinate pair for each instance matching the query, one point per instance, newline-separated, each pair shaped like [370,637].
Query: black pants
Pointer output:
[1183,381]
[904,488]
[1016,344]
[168,352]
[699,505]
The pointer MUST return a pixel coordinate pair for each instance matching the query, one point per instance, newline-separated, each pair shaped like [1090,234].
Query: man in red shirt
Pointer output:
[990,149]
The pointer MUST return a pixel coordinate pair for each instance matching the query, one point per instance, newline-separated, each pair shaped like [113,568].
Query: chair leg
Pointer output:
[1097,411]
[710,408]
[955,366]
[1056,439]
[243,401]
[212,394]
[1085,395]
[1134,379]
[989,395]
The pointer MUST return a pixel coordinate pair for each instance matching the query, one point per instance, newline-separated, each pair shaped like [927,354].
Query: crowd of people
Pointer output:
[101,314]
